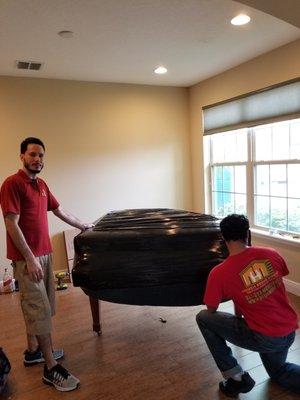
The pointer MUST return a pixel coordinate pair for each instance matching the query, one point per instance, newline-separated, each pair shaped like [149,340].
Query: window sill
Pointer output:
[276,238]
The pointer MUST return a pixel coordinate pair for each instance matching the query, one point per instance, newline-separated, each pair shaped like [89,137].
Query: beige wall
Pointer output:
[113,146]
[277,66]
[108,146]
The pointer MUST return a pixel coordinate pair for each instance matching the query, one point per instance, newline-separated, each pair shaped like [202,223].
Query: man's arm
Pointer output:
[211,309]
[71,220]
[34,268]
[237,311]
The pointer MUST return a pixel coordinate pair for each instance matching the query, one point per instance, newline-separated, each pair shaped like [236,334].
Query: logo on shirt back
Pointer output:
[43,193]
[260,280]
[256,272]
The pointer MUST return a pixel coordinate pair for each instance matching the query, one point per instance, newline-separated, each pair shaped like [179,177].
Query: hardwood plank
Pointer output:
[137,357]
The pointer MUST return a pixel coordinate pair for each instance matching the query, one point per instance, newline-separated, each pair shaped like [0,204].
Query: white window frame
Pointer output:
[250,164]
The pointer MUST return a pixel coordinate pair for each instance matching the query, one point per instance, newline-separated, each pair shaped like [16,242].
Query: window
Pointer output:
[256,171]
[228,171]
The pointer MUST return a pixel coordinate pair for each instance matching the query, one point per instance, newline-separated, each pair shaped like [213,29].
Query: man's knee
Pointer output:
[288,376]
[202,317]
[36,310]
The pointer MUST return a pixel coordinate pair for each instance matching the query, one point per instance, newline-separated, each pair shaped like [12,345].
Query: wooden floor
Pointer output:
[137,357]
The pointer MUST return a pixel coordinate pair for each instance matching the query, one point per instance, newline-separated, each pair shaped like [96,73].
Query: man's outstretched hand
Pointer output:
[87,226]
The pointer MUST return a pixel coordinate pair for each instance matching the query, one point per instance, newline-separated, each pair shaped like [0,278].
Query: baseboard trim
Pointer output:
[292,287]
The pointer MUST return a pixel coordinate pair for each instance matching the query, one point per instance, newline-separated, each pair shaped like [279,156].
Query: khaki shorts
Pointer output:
[37,298]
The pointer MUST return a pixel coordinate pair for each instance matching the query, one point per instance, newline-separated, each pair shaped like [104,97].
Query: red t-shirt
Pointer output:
[30,199]
[252,279]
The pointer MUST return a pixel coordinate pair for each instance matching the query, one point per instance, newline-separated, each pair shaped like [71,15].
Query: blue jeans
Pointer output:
[218,327]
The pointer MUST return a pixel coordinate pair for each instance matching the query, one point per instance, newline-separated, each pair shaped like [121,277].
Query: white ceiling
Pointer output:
[124,40]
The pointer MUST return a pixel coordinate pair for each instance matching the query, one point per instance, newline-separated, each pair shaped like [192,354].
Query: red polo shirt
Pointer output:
[252,279]
[30,199]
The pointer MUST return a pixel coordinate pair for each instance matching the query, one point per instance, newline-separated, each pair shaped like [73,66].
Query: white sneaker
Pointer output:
[60,378]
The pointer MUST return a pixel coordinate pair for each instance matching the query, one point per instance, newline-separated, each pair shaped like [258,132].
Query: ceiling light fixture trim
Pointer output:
[66,34]
[241,19]
[160,70]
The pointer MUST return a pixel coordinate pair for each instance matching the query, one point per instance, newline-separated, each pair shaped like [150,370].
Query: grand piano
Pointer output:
[157,257]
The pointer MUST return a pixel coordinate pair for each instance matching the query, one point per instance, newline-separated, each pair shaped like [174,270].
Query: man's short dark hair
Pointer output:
[235,227]
[30,140]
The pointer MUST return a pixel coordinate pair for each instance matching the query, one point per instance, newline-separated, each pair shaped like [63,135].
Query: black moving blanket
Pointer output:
[148,257]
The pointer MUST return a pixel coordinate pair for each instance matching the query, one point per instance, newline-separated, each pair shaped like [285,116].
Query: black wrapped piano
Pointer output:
[159,257]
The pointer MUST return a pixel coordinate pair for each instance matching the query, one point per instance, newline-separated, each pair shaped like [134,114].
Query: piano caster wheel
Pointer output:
[97,329]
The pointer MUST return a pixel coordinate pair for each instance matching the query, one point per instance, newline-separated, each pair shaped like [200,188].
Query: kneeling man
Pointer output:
[264,322]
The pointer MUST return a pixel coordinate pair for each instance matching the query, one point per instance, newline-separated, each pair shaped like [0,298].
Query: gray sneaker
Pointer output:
[35,357]
[60,378]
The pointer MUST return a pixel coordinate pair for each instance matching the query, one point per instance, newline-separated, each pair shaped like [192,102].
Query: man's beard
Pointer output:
[34,171]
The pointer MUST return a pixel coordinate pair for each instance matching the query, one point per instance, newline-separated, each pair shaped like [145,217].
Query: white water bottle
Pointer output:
[8,284]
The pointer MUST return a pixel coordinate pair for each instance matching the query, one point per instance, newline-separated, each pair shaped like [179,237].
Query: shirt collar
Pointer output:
[25,176]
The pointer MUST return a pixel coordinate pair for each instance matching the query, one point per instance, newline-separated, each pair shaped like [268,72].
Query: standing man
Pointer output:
[25,200]
[264,322]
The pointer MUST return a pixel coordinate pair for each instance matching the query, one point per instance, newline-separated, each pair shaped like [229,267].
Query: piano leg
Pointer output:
[95,308]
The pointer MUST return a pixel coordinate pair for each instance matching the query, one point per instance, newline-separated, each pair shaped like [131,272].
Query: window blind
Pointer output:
[272,104]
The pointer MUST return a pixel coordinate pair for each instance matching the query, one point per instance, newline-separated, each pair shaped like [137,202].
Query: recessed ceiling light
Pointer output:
[66,34]
[160,70]
[241,19]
